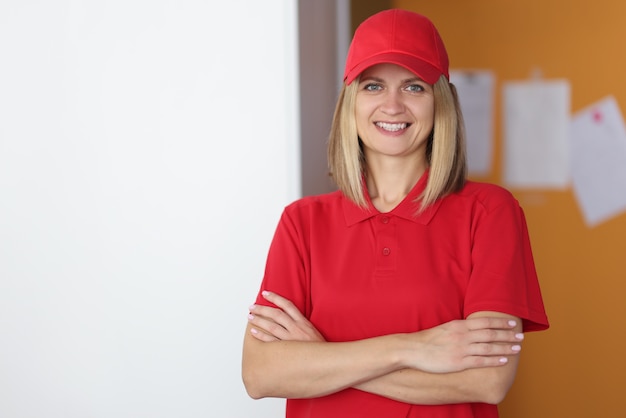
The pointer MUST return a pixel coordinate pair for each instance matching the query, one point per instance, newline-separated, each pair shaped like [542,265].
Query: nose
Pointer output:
[393,103]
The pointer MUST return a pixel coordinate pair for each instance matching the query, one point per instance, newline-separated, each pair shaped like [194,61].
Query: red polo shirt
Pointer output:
[358,273]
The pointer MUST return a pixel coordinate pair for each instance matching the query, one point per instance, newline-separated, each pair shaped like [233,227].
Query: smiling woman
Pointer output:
[406,292]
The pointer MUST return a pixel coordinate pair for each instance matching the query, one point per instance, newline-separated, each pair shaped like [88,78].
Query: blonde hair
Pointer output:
[445,151]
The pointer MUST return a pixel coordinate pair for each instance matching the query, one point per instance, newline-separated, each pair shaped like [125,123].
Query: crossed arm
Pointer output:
[472,360]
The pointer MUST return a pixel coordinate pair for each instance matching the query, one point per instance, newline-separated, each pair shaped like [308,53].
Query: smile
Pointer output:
[392,127]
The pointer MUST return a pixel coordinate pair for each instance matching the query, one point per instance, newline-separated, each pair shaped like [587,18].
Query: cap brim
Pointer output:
[420,68]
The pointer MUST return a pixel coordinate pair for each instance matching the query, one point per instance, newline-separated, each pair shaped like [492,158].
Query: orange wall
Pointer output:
[578,367]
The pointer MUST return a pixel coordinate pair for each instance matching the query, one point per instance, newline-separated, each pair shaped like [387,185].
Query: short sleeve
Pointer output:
[503,277]
[287,267]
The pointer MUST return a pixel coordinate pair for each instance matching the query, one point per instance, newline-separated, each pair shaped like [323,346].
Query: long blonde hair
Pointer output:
[445,151]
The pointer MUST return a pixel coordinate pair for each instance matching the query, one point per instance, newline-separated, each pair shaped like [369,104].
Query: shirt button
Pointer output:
[384,219]
[386,251]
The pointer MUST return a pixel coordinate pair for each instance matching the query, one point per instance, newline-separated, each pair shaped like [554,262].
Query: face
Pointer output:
[394,113]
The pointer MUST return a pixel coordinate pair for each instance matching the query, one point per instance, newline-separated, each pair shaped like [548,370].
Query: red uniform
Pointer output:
[358,273]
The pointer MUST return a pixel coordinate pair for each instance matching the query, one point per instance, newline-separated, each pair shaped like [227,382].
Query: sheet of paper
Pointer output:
[536,134]
[476,90]
[598,139]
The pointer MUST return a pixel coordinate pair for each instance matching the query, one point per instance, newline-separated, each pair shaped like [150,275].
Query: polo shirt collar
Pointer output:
[406,209]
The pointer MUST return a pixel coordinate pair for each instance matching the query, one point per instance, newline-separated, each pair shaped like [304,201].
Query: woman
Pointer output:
[406,292]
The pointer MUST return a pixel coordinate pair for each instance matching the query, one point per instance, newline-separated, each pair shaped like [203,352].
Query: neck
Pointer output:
[389,185]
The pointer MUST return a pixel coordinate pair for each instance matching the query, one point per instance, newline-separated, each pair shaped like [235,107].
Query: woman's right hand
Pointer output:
[285,323]
[485,340]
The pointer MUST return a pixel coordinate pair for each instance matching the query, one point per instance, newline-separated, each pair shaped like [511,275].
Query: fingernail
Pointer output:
[512,323]
[516,348]
[250,317]
[252,307]
[519,336]
[265,293]
[254,331]
[504,360]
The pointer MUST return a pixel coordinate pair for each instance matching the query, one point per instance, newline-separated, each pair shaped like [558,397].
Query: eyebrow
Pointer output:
[380,80]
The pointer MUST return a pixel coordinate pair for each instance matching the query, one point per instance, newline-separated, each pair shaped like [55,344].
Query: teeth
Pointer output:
[393,127]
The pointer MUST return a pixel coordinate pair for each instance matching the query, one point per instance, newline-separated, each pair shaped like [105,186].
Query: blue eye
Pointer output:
[372,87]
[415,88]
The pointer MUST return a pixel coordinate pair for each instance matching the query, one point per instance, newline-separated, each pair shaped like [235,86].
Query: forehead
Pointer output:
[388,70]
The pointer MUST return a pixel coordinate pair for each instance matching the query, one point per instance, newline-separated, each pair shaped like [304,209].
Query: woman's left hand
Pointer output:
[283,323]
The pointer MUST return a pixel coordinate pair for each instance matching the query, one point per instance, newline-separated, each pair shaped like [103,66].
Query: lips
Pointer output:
[392,127]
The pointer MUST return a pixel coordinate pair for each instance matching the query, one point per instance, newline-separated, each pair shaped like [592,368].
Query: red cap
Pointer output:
[398,37]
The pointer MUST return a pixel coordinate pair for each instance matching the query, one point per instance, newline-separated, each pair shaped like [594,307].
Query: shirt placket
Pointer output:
[386,243]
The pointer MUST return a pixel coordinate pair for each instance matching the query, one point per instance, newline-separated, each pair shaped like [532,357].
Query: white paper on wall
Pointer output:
[536,138]
[598,140]
[475,89]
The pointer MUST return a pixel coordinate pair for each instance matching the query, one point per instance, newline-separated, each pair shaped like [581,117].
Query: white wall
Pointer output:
[147,148]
